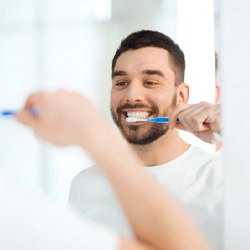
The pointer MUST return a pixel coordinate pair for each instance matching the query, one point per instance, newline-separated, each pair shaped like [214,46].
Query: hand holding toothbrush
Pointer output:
[202,119]
[64,117]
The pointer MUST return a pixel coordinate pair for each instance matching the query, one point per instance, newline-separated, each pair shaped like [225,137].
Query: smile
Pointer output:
[138,115]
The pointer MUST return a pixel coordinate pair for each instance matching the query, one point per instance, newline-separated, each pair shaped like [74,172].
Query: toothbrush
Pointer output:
[153,119]
[11,112]
[8,113]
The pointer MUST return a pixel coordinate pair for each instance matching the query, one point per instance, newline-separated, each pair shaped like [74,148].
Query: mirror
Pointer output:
[53,44]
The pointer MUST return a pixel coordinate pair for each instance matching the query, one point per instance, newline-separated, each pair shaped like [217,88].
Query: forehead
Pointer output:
[144,58]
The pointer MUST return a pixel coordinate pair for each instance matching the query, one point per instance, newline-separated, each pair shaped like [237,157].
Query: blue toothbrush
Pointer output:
[10,113]
[152,119]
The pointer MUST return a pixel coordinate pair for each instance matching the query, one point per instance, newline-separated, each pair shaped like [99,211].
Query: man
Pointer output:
[148,81]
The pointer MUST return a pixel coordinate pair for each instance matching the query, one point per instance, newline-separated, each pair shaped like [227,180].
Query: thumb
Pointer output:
[26,118]
[174,116]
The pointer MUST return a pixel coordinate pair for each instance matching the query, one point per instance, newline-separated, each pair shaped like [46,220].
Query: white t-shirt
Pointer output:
[29,221]
[194,179]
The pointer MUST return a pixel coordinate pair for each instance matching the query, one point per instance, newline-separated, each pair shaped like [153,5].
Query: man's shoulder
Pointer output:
[200,158]
[195,162]
[199,153]
[89,184]
[92,173]
[209,165]
[89,180]
[196,158]
[193,158]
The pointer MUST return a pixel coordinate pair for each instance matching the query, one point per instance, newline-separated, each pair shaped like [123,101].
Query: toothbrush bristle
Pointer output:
[135,119]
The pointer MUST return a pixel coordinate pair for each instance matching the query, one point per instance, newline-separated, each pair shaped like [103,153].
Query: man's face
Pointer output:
[143,85]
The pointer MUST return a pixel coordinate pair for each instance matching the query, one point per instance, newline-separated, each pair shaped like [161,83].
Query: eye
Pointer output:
[150,83]
[121,83]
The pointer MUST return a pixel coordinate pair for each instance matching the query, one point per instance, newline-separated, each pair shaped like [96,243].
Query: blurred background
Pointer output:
[50,44]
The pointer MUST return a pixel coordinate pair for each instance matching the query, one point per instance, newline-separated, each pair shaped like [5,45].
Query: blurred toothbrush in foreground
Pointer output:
[8,113]
[12,112]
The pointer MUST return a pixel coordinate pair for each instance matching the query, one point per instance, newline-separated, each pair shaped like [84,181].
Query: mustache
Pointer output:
[120,109]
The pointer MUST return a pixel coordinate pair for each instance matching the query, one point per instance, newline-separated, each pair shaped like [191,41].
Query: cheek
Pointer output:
[114,102]
[166,102]
[117,98]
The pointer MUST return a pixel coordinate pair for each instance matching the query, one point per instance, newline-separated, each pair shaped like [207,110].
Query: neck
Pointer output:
[166,148]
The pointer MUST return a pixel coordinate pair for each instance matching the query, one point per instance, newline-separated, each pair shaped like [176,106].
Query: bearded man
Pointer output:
[148,81]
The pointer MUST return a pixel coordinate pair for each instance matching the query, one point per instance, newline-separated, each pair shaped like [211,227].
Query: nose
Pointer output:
[135,93]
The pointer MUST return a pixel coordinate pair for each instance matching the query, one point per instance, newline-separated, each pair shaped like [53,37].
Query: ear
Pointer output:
[182,93]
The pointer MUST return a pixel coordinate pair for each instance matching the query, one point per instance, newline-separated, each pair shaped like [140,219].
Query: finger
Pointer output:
[184,113]
[196,117]
[209,116]
[214,120]
[215,114]
[175,114]
[193,118]
[27,116]
[35,100]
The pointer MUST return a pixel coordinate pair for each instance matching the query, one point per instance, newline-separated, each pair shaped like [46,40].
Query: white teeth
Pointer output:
[141,115]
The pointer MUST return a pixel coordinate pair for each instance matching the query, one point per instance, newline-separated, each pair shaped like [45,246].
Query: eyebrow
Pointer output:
[144,72]
[118,73]
[153,72]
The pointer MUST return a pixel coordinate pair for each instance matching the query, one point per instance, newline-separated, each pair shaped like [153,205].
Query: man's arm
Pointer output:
[67,118]
[125,244]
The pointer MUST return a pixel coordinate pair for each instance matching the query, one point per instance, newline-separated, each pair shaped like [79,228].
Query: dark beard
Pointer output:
[156,131]
[132,133]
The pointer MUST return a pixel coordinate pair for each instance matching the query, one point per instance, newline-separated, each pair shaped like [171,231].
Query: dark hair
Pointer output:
[149,38]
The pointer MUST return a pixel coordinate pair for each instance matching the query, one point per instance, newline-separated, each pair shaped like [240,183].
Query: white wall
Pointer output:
[195,35]
[45,44]
[235,54]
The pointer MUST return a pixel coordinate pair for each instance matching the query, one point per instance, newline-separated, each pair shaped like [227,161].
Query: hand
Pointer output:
[202,119]
[63,117]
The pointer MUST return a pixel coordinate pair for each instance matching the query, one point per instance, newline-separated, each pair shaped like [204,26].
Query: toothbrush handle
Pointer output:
[7,113]
[158,119]
[161,120]
[10,113]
